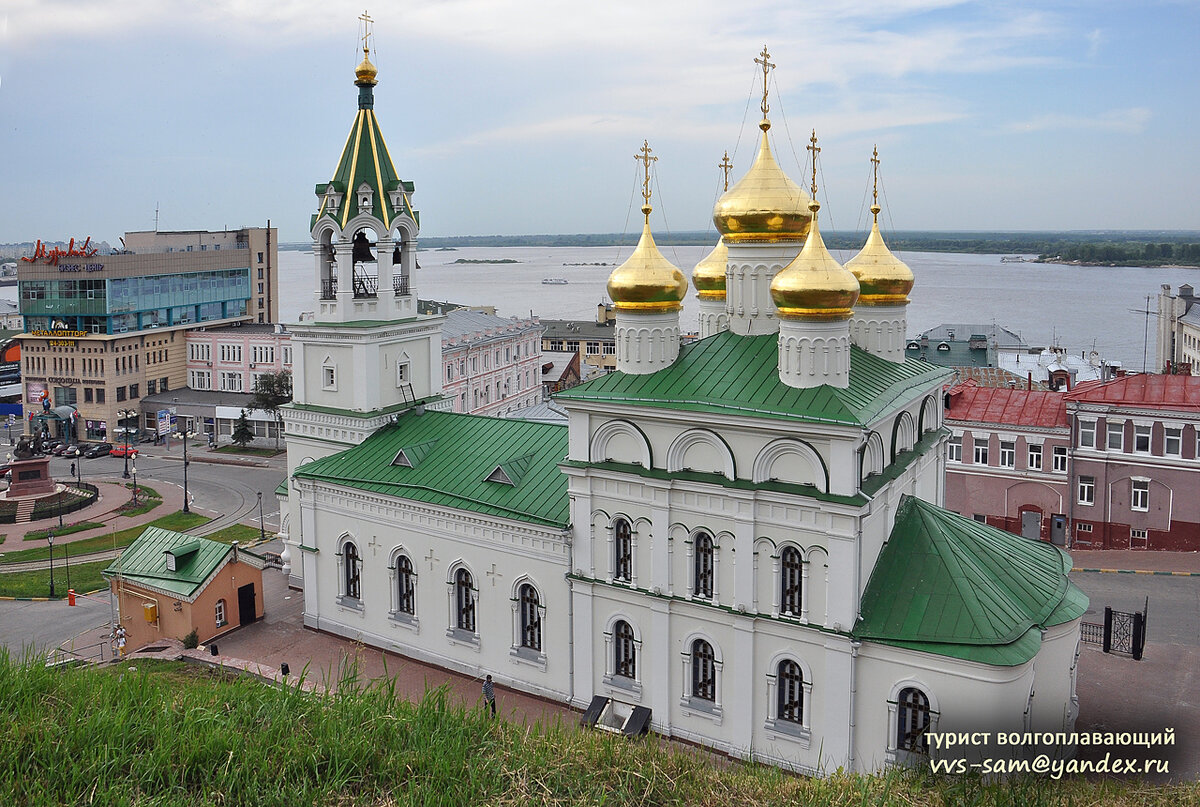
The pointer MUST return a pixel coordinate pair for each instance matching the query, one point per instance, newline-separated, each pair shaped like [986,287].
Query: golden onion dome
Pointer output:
[814,286]
[764,205]
[365,73]
[647,282]
[709,275]
[883,278]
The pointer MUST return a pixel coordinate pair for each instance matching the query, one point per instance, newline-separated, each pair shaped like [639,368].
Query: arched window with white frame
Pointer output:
[791,574]
[464,601]
[406,586]
[789,699]
[703,565]
[913,719]
[529,604]
[624,651]
[622,536]
[351,571]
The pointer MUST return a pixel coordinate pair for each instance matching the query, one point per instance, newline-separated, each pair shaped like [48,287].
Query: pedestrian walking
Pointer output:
[121,640]
[489,695]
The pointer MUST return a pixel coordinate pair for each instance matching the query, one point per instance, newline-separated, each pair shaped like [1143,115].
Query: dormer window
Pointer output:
[366,198]
[333,199]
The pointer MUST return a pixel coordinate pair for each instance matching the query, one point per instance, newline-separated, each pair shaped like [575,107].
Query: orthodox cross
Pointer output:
[815,151]
[366,21]
[645,159]
[725,165]
[494,574]
[432,560]
[875,182]
[374,545]
[766,66]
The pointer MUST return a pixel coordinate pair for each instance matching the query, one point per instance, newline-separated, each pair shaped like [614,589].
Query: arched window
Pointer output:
[912,721]
[624,651]
[790,691]
[622,551]
[531,620]
[789,582]
[464,601]
[704,671]
[702,577]
[352,566]
[406,586]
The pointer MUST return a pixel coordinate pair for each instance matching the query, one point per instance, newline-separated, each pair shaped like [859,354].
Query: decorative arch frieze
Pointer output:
[806,467]
[616,432]
[677,453]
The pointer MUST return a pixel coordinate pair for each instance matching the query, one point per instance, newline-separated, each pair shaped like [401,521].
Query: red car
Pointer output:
[121,451]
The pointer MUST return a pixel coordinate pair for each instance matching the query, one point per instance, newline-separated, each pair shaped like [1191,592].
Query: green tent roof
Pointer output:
[365,158]
[728,373]
[145,561]
[454,456]
[949,585]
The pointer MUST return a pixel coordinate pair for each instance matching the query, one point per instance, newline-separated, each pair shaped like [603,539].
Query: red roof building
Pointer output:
[1007,459]
[1135,467]
[1105,466]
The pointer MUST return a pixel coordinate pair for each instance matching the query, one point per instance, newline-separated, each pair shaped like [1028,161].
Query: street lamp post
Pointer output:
[125,415]
[262,527]
[186,507]
[50,540]
[134,467]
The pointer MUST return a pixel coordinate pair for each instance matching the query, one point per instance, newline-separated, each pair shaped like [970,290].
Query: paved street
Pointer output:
[1174,615]
[46,625]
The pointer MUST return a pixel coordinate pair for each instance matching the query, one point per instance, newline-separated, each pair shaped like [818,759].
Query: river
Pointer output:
[1079,307]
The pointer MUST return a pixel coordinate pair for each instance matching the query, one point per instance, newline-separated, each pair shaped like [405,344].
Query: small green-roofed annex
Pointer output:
[728,373]
[458,455]
[145,561]
[948,585]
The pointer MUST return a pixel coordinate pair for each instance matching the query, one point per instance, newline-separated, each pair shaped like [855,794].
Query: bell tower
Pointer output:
[364,355]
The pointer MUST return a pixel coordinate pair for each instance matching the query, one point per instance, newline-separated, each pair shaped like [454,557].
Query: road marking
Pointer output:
[1137,571]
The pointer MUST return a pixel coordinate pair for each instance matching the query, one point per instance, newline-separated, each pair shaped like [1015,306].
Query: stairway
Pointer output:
[25,511]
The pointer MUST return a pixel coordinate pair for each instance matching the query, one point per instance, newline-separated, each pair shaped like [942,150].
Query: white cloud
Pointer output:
[1122,121]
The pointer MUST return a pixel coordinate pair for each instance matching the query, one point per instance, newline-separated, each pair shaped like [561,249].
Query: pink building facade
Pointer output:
[1109,465]
[1008,459]
[230,359]
[491,365]
[1136,463]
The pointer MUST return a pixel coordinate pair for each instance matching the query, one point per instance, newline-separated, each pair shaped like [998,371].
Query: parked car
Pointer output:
[49,446]
[75,450]
[121,451]
[148,438]
[60,449]
[98,450]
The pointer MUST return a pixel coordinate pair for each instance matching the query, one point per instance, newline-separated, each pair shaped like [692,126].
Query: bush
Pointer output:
[192,640]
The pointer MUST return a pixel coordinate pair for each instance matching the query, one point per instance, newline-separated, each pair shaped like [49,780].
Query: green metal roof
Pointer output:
[949,585]
[145,561]
[457,454]
[728,373]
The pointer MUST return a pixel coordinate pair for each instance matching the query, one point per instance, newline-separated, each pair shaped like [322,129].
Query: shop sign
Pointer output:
[35,393]
[65,381]
[51,256]
[60,333]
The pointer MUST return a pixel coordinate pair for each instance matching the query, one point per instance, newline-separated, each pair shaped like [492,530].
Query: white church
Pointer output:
[736,541]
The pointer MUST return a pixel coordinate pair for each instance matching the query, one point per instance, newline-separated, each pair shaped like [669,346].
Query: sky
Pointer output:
[522,118]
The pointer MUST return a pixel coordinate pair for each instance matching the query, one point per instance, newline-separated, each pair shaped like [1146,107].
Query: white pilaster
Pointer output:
[748,302]
[713,317]
[880,330]
[646,342]
[814,353]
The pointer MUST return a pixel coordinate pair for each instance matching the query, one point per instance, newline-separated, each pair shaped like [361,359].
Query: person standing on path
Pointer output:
[489,694]
[121,641]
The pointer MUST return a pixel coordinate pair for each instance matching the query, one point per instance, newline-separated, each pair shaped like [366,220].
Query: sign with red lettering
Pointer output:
[51,256]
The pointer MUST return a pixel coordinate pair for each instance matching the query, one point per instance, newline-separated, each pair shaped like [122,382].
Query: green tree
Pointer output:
[271,391]
[242,433]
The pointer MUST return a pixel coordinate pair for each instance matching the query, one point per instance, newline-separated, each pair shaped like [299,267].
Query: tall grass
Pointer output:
[159,733]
